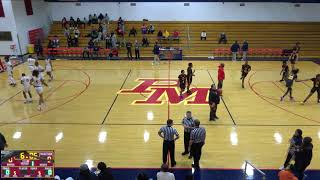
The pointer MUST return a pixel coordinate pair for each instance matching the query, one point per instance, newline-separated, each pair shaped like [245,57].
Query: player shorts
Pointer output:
[31,68]
[182,86]
[244,74]
[10,73]
[48,69]
[39,90]
[26,89]
[314,89]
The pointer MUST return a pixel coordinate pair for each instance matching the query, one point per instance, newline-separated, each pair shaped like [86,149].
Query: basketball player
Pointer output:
[293,59]
[37,81]
[25,81]
[316,87]
[289,83]
[284,71]
[38,68]
[190,73]
[49,68]
[182,78]
[31,61]
[246,68]
[9,66]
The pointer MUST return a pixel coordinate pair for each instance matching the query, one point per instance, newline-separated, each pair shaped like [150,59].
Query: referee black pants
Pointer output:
[168,146]
[196,151]
[186,141]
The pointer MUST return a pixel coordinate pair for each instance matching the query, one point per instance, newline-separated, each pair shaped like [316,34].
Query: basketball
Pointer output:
[219,91]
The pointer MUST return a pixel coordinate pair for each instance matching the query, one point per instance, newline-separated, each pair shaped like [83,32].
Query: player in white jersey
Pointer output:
[38,68]
[37,81]
[49,68]
[25,81]
[31,61]
[9,66]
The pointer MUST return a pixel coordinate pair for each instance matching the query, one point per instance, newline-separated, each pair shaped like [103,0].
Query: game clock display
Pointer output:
[27,164]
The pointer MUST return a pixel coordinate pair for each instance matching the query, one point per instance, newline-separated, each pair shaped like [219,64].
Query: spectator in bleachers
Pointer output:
[145,42]
[66,31]
[156,53]
[94,19]
[105,173]
[71,22]
[3,142]
[76,37]
[203,35]
[223,38]
[244,49]
[38,48]
[164,173]
[121,24]
[234,50]
[114,53]
[287,174]
[175,34]
[113,40]
[64,22]
[86,53]
[86,174]
[85,22]
[151,29]
[100,17]
[119,31]
[104,28]
[56,42]
[144,29]
[133,32]
[303,157]
[142,176]
[107,18]
[129,51]
[160,34]
[137,49]
[70,41]
[108,41]
[166,34]
[100,29]
[90,19]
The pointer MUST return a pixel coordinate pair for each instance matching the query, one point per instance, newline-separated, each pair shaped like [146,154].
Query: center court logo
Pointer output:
[157,91]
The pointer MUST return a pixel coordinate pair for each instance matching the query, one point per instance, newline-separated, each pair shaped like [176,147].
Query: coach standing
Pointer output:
[197,140]
[188,125]
[214,100]
[169,136]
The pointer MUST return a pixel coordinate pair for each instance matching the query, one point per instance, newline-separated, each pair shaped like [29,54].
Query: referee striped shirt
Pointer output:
[198,135]
[168,133]
[188,122]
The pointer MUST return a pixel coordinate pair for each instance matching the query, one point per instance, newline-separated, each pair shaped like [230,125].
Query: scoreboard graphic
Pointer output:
[27,164]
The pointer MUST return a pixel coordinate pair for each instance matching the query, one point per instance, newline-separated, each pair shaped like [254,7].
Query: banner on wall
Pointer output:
[35,34]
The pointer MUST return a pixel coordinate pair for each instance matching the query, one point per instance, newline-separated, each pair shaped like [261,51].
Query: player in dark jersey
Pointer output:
[190,74]
[293,59]
[284,71]
[246,68]
[316,87]
[289,83]
[182,82]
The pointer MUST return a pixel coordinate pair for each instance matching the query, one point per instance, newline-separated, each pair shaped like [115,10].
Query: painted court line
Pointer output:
[115,99]
[8,99]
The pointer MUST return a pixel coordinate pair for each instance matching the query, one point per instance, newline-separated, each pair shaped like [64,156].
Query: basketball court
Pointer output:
[112,110]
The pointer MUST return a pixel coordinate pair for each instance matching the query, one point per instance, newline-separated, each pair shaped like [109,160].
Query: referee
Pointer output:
[197,140]
[168,134]
[188,125]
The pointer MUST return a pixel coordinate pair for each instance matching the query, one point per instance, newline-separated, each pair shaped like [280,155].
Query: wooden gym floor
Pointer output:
[88,118]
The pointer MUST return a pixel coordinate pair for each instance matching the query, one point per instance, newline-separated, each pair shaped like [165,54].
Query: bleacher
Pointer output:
[258,34]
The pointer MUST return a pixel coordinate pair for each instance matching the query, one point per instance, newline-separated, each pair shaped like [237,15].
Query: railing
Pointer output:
[252,51]
[75,51]
[249,172]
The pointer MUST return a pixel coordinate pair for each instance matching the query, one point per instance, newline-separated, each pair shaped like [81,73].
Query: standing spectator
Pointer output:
[221,75]
[72,22]
[223,38]
[303,157]
[156,53]
[203,35]
[164,173]
[133,32]
[145,42]
[66,32]
[151,29]
[287,174]
[94,19]
[234,50]
[3,142]
[129,52]
[78,23]
[188,125]
[107,18]
[104,28]
[100,17]
[90,19]
[86,174]
[197,140]
[38,48]
[108,41]
[160,34]
[64,22]
[214,101]
[76,37]
[105,173]
[114,40]
[144,29]
[137,49]
[169,136]
[244,49]
[295,143]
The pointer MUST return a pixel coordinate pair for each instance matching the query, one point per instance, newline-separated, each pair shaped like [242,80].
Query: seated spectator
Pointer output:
[287,174]
[86,53]
[145,42]
[175,34]
[105,173]
[91,44]
[70,41]
[66,32]
[90,19]
[160,34]
[104,28]
[151,29]
[113,40]
[86,174]
[166,34]
[144,29]
[64,22]
[56,42]
[94,19]
[142,176]
[164,174]
[108,41]
[76,37]
[100,17]
[203,35]
[96,50]
[119,32]
[100,29]
[133,32]
[223,38]
[50,44]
